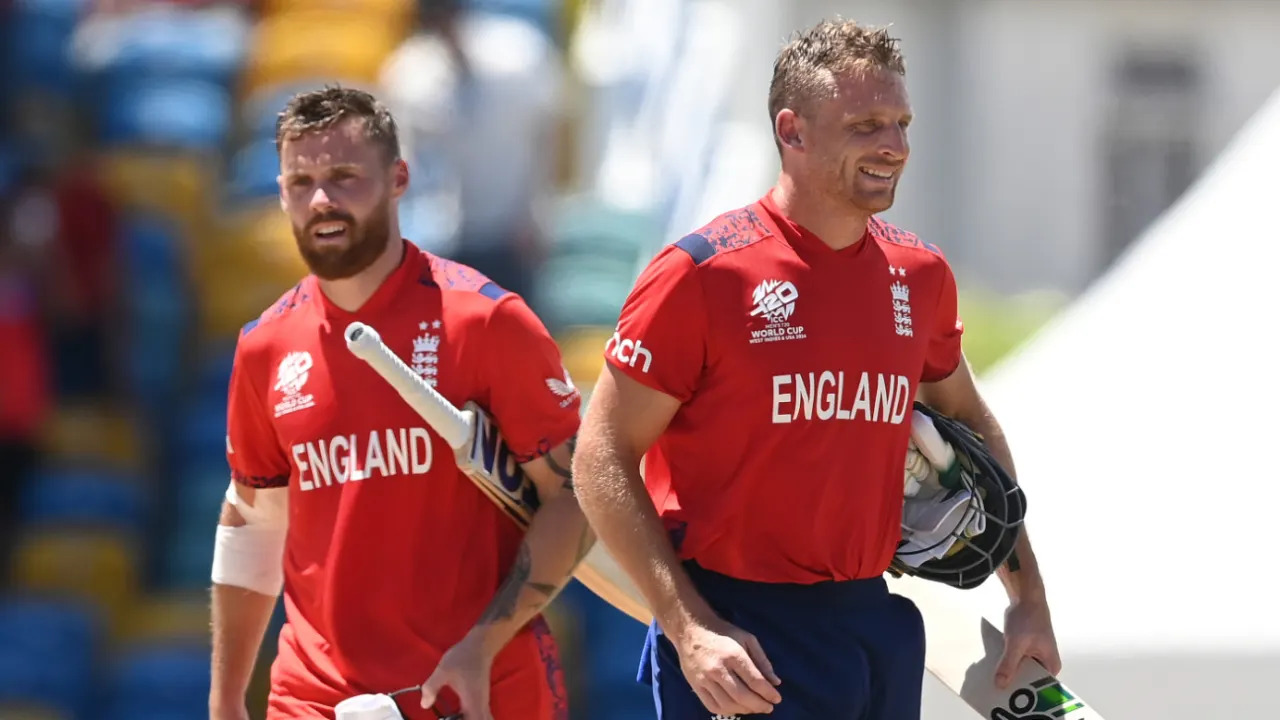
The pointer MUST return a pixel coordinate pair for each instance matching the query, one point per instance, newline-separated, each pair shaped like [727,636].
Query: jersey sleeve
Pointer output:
[944,353]
[531,396]
[661,338]
[255,457]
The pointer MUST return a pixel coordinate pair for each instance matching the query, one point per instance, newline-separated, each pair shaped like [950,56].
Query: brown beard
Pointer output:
[367,241]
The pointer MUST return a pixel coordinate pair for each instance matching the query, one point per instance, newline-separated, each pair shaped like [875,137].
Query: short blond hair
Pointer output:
[318,110]
[805,65]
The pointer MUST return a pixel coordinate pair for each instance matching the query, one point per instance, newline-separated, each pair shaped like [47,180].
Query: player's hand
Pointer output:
[1028,633]
[466,668]
[727,669]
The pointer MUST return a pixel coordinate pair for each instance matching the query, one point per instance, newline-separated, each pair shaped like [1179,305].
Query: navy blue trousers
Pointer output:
[843,650]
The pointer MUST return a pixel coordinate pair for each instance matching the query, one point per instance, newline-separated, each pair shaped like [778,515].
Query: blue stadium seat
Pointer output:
[84,496]
[175,42]
[199,495]
[48,650]
[151,681]
[165,113]
[36,41]
[188,552]
[153,255]
[254,168]
[215,374]
[154,368]
[258,113]
[202,438]
[158,308]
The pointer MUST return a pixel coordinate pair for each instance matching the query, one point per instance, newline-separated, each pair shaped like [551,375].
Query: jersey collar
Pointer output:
[801,238]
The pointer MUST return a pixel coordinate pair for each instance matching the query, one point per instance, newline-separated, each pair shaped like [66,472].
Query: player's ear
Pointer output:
[280,184]
[788,126]
[399,177]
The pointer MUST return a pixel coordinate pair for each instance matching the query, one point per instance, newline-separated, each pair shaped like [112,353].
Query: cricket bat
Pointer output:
[962,650]
[483,456]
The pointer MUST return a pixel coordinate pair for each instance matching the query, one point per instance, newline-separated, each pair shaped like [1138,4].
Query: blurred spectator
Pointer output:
[65,225]
[25,392]
[492,125]
[84,261]
[440,18]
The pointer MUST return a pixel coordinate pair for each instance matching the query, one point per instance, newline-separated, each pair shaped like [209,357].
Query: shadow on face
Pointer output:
[338,189]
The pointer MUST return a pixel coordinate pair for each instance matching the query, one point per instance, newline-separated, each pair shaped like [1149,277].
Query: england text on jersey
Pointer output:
[804,396]
[381,454]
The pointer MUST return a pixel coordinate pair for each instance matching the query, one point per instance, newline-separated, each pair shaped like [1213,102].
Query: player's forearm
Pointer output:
[1021,574]
[557,540]
[239,619]
[613,496]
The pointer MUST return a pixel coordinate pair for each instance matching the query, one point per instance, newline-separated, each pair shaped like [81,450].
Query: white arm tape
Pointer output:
[251,556]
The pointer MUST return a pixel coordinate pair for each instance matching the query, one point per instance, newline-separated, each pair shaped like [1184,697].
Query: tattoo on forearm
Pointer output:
[1012,563]
[561,470]
[547,591]
[503,606]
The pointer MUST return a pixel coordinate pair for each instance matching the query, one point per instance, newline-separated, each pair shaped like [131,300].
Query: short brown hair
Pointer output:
[804,64]
[322,109]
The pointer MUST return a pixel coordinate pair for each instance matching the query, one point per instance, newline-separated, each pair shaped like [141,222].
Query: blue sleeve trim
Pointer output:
[492,291]
[698,247]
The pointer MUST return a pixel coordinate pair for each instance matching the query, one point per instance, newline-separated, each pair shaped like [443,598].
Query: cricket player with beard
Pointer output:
[394,567]
[763,369]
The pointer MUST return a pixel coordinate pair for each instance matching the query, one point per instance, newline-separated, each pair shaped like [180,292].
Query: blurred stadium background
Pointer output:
[555,144]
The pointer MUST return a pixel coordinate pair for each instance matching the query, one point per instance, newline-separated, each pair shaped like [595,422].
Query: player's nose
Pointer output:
[320,200]
[894,145]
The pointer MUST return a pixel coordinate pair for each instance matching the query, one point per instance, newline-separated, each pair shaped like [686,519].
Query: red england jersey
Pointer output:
[392,553]
[797,366]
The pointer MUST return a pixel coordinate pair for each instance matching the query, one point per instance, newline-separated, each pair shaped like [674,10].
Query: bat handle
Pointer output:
[450,423]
